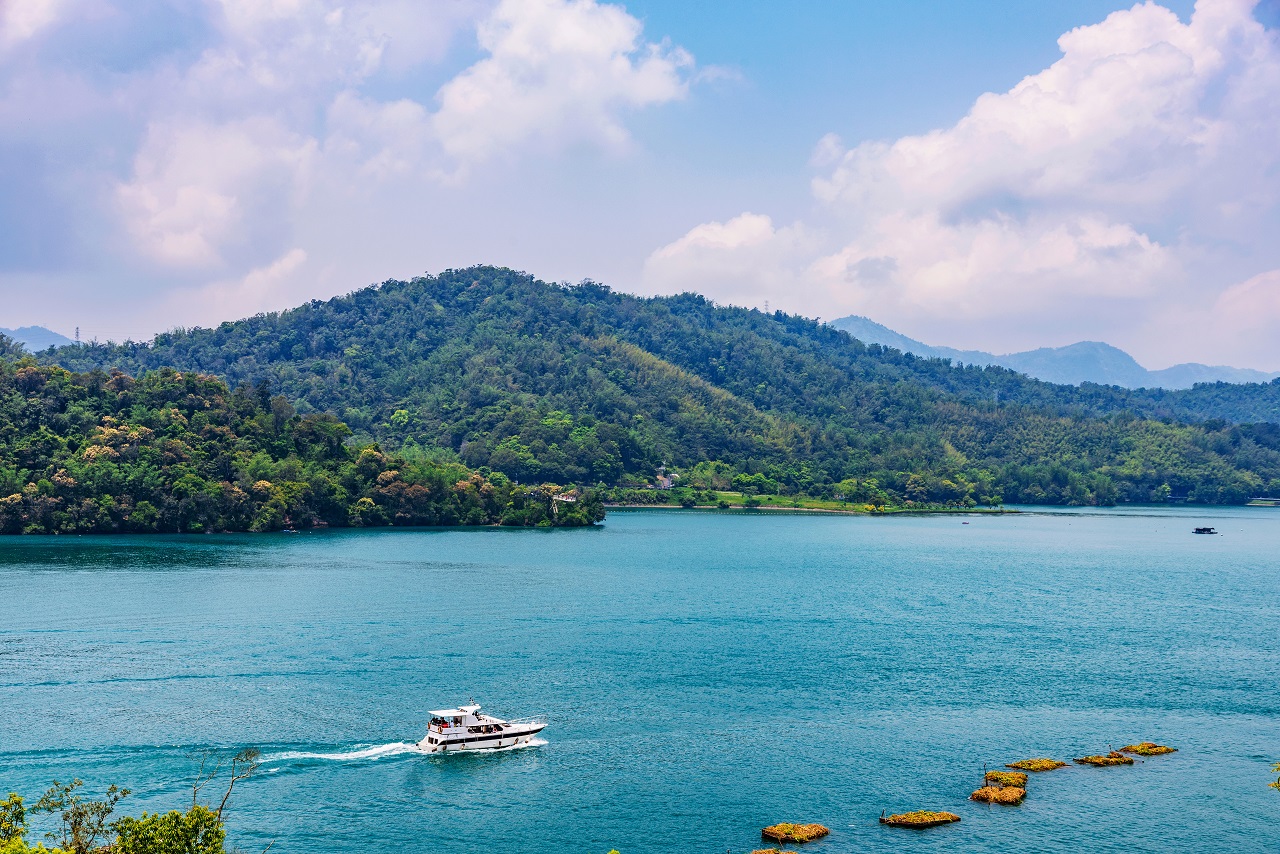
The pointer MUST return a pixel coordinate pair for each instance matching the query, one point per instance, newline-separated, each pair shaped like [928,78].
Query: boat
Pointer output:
[1204,531]
[467,729]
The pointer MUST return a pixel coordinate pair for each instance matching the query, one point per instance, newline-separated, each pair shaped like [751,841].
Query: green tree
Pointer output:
[83,822]
[13,818]
[9,348]
[196,831]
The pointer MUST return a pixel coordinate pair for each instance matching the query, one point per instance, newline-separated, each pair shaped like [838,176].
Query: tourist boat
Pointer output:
[467,729]
[1204,531]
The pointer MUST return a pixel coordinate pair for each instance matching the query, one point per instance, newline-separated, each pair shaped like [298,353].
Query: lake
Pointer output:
[705,674]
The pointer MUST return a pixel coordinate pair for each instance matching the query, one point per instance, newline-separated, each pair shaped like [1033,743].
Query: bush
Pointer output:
[197,831]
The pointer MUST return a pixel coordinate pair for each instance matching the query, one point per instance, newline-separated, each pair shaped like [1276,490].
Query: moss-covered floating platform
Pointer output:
[788,832]
[1007,795]
[1037,765]
[1005,778]
[919,818]
[1148,748]
[1112,758]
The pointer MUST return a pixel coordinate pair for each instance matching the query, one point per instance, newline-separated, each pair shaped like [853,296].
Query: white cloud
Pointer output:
[288,92]
[1245,317]
[743,261]
[995,267]
[1131,172]
[556,70]
[203,195]
[277,285]
[21,20]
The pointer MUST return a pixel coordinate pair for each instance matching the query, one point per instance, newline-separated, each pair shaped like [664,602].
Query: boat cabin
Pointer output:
[463,719]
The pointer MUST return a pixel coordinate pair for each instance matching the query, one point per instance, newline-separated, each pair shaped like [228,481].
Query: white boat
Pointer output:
[466,729]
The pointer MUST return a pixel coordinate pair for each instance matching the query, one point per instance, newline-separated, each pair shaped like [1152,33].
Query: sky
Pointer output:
[991,175]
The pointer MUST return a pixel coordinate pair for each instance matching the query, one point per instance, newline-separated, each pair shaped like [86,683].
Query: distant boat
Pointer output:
[466,729]
[1204,531]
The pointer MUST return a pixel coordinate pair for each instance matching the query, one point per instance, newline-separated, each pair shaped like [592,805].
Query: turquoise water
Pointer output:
[705,673]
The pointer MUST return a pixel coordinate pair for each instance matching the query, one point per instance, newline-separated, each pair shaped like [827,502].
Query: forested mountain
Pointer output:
[180,452]
[580,384]
[1084,361]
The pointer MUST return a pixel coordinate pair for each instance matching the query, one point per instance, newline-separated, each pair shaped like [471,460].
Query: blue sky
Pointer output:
[997,175]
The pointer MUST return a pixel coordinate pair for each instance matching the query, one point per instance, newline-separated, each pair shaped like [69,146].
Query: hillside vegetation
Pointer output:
[170,451]
[576,384]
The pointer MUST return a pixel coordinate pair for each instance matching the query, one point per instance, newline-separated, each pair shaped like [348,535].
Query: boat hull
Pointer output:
[475,743]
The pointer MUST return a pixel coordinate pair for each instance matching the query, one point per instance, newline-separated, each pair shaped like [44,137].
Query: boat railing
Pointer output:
[528,719]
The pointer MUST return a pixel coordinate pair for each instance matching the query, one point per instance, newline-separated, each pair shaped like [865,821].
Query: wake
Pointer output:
[380,751]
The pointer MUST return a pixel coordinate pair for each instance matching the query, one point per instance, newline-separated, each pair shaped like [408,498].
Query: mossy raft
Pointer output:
[1005,778]
[787,832]
[1037,765]
[1148,748]
[1007,795]
[919,818]
[1112,758]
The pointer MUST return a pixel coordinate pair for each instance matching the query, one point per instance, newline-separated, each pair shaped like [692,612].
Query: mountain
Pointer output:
[1086,361]
[36,338]
[543,382]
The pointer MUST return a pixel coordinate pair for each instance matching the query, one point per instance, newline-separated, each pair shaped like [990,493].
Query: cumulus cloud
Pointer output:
[276,285]
[555,69]
[1249,312]
[240,139]
[200,192]
[23,19]
[1129,172]
[743,261]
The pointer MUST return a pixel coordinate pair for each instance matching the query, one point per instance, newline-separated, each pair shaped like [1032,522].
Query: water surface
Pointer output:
[705,674]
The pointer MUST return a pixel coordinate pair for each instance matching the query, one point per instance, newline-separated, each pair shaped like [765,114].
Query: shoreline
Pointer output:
[778,508]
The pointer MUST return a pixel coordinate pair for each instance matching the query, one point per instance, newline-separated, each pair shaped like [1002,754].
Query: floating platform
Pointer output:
[1007,795]
[788,832]
[1112,758]
[1148,748]
[1037,765]
[919,818]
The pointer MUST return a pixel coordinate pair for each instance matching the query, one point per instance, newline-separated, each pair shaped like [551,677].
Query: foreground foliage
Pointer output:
[180,452]
[84,825]
[580,384]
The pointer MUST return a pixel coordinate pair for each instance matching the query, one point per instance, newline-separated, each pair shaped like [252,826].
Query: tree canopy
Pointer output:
[179,452]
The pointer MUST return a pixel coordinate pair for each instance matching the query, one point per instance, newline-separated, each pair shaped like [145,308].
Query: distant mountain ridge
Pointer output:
[1085,361]
[36,338]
